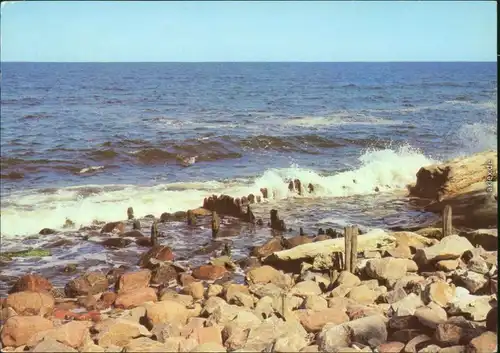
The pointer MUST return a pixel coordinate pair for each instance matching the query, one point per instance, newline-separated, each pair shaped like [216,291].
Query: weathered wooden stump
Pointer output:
[447,222]
[310,187]
[301,231]
[351,248]
[215,224]
[276,223]
[354,248]
[264,192]
[298,186]
[249,216]
[154,233]
[136,224]
[130,213]
[191,218]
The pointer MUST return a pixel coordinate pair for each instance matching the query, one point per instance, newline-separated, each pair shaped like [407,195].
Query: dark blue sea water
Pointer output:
[77,139]
[85,141]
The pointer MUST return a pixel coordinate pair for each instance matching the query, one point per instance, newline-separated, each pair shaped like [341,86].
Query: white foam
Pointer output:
[477,137]
[91,169]
[29,211]
[341,118]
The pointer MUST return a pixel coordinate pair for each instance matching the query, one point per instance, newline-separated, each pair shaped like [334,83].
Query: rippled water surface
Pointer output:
[86,141]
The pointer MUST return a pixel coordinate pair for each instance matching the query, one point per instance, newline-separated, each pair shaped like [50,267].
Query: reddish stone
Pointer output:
[133,280]
[32,283]
[159,252]
[209,272]
[391,347]
[69,315]
[134,298]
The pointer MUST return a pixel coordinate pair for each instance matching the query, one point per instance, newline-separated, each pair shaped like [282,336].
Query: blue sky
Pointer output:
[249,31]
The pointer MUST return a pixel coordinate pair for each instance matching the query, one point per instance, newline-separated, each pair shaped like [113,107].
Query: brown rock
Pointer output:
[449,248]
[166,311]
[401,252]
[314,321]
[51,345]
[404,322]
[492,320]
[111,226]
[185,279]
[485,343]
[362,294]
[72,334]
[448,334]
[348,279]
[118,332]
[296,241]
[30,303]
[431,315]
[33,283]
[391,347]
[194,289]
[108,298]
[158,252]
[133,280]
[447,265]
[133,298]
[88,302]
[386,269]
[164,274]
[266,274]
[405,335]
[414,345]
[440,293]
[17,330]
[90,283]
[272,245]
[207,334]
[209,272]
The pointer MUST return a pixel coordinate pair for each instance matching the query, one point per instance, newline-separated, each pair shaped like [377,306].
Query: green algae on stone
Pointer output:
[27,253]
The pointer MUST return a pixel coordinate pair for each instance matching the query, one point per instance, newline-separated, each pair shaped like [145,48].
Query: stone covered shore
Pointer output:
[410,291]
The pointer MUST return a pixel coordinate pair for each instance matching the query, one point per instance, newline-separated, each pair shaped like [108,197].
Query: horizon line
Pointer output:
[236,62]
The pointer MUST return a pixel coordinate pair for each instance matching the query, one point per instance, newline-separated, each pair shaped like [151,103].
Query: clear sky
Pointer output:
[249,31]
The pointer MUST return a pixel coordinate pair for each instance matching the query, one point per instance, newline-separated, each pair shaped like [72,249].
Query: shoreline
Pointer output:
[416,285]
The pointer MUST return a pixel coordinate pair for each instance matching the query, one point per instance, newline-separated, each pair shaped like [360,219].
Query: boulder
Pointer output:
[209,347]
[362,294]
[72,334]
[272,245]
[387,268]
[348,279]
[450,247]
[17,330]
[113,226]
[447,265]
[209,272]
[158,252]
[166,311]
[439,292]
[267,274]
[305,289]
[51,345]
[145,344]
[206,334]
[376,239]
[315,303]
[431,315]
[487,342]
[195,289]
[89,283]
[407,305]
[391,347]
[30,303]
[136,297]
[131,281]
[416,343]
[473,307]
[118,332]
[31,282]
[315,320]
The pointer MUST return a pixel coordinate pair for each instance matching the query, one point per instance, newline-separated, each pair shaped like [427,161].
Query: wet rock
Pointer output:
[158,252]
[296,241]
[487,342]
[89,283]
[116,242]
[112,226]
[164,273]
[30,303]
[191,218]
[135,297]
[209,272]
[114,274]
[449,248]
[386,269]
[31,282]
[133,280]
[136,233]
[47,231]
[272,245]
[17,330]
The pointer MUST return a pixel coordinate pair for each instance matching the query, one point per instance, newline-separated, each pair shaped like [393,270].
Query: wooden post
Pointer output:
[130,213]
[348,243]
[354,248]
[215,224]
[154,233]
[136,225]
[447,225]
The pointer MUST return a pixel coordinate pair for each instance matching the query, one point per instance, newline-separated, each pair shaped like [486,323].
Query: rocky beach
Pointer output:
[251,281]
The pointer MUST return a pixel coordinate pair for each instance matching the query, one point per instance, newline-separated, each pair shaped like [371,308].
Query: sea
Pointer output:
[85,141]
